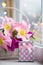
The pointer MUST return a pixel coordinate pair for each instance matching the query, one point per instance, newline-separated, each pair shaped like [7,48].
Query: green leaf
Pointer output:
[14,33]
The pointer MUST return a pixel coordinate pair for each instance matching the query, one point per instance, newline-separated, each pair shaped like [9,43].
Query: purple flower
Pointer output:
[31,34]
[14,44]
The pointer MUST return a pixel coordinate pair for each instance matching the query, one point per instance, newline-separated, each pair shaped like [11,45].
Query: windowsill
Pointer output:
[12,62]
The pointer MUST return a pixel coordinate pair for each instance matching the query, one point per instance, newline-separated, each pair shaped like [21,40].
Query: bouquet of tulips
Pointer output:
[13,32]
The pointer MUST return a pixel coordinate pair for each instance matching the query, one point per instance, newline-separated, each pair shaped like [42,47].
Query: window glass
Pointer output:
[28,10]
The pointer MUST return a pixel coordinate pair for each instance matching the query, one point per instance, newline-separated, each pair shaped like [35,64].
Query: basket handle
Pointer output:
[19,12]
[16,10]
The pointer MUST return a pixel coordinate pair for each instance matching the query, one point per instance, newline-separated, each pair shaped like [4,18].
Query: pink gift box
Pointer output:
[26,51]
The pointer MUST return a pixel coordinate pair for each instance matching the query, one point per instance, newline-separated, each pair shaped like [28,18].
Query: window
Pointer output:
[28,9]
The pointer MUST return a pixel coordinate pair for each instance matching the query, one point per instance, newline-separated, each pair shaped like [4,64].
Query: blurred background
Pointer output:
[25,10]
